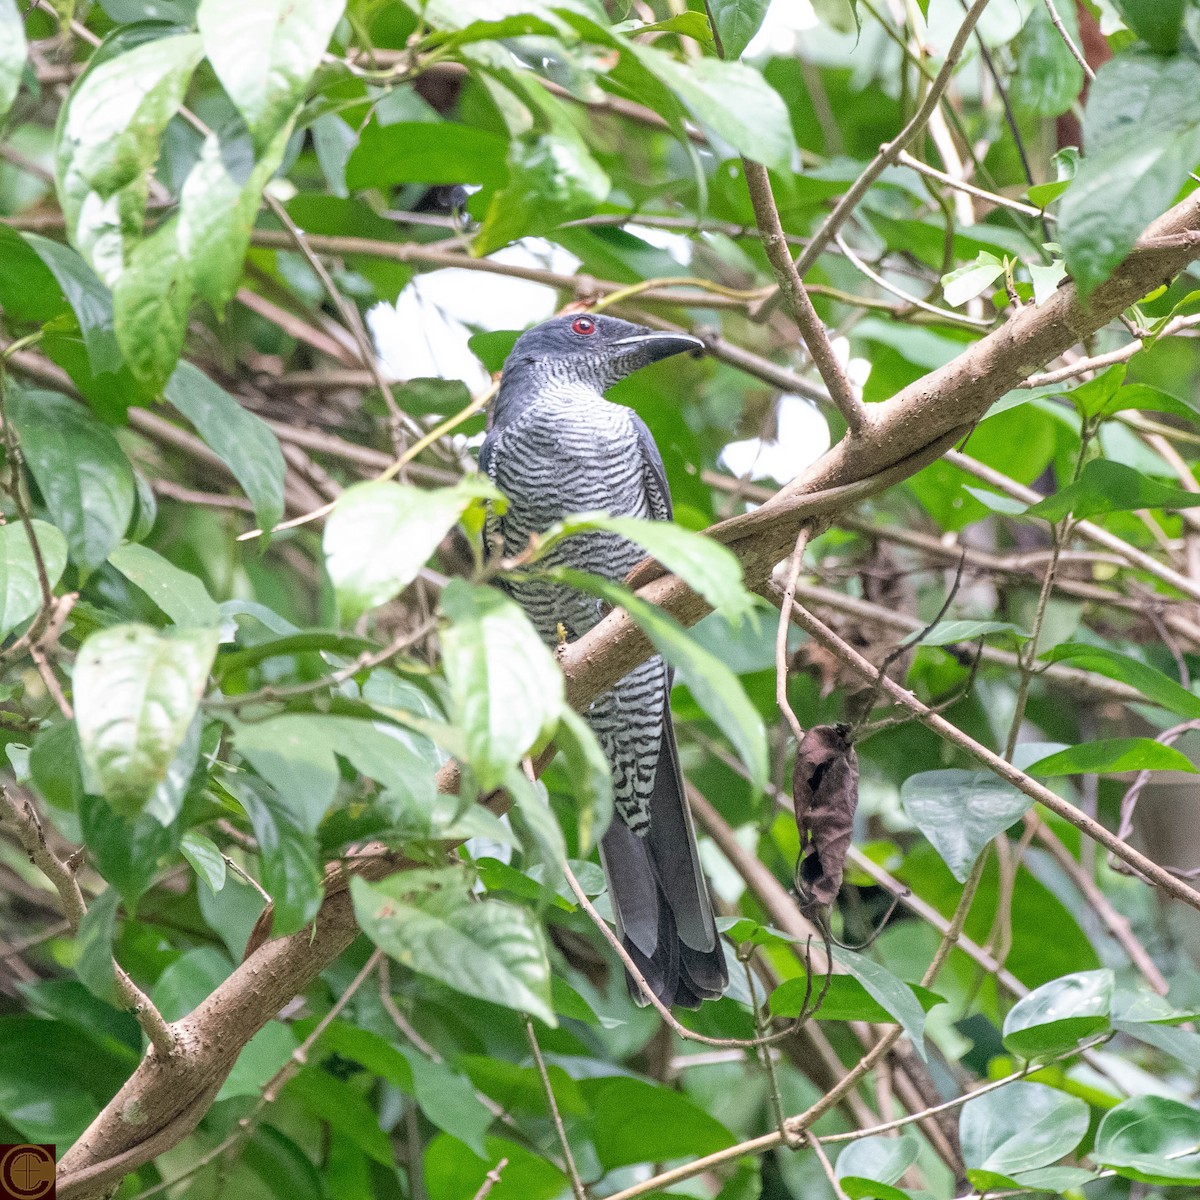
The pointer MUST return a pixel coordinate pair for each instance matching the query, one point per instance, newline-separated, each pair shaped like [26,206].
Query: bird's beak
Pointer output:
[651,346]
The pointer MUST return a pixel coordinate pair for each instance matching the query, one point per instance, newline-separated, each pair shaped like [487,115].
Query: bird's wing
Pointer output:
[654,473]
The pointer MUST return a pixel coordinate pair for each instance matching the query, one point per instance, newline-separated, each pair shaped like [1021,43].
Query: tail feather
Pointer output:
[659,896]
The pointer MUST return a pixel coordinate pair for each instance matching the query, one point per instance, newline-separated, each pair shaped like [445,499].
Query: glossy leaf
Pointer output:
[205,858]
[128,850]
[427,922]
[961,811]
[438,152]
[890,993]
[846,999]
[1105,486]
[1047,79]
[1157,688]
[1112,754]
[1059,1014]
[20,584]
[967,282]
[94,966]
[181,596]
[1153,1139]
[1156,22]
[702,563]
[136,691]
[12,53]
[877,1160]
[736,22]
[947,633]
[243,441]
[265,53]
[1021,1126]
[506,689]
[380,535]
[451,1171]
[590,774]
[81,471]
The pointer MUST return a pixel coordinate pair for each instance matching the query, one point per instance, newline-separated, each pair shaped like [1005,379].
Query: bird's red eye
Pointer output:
[583,325]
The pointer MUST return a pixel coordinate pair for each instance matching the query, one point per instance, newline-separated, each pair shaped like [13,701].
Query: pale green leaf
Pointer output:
[20,587]
[12,53]
[1020,1127]
[180,595]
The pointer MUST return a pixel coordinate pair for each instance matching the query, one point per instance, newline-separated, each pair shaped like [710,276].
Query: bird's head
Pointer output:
[579,350]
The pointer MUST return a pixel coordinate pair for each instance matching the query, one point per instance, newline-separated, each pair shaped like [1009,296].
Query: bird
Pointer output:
[556,446]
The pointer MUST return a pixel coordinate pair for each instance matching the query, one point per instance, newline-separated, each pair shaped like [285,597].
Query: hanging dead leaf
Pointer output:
[825,792]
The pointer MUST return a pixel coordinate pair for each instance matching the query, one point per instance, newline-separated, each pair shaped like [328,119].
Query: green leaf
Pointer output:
[846,999]
[715,687]
[260,1059]
[590,775]
[961,811]
[1152,1139]
[94,964]
[736,22]
[437,152]
[20,587]
[151,301]
[704,565]
[291,873]
[449,1100]
[1157,688]
[380,535]
[344,1109]
[1105,486]
[689,24]
[997,502]
[875,1160]
[1021,1126]
[1143,137]
[55,767]
[136,691]
[12,54]
[965,283]
[947,633]
[453,1172]
[634,1121]
[205,858]
[539,827]
[127,850]
[108,141]
[83,474]
[243,441]
[890,993]
[181,596]
[1093,398]
[551,179]
[1113,754]
[1059,1015]
[1156,22]
[506,689]
[427,922]
[1046,79]
[265,53]
[1046,280]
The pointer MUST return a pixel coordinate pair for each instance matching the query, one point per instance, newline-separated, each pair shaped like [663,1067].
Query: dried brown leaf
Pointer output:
[825,792]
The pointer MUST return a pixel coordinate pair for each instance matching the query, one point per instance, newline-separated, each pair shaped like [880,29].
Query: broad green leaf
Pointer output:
[292,645]
[1020,1127]
[380,535]
[452,1171]
[94,964]
[166,801]
[961,811]
[506,689]
[947,633]
[440,152]
[344,1109]
[1059,1015]
[260,1059]
[1095,397]
[180,595]
[205,858]
[265,53]
[890,993]
[291,872]
[216,215]
[1046,79]
[1152,1139]
[1143,137]
[151,300]
[20,585]
[427,922]
[539,827]
[449,1100]
[997,502]
[590,775]
[108,141]
[715,687]
[845,1000]
[967,282]
[1156,22]
[12,53]
[127,851]
[83,474]
[89,299]
[636,1121]
[1105,486]
[55,767]
[736,22]
[551,179]
[1113,754]
[136,691]
[243,441]
[704,565]
[690,24]
[1157,688]
[875,1160]
[1046,280]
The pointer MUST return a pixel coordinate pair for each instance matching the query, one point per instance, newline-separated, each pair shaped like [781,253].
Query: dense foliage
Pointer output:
[261,695]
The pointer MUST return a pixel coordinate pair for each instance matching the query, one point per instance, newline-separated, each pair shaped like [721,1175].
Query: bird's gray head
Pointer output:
[580,351]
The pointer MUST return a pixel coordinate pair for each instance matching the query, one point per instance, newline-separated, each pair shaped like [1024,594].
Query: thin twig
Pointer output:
[577,1189]
[1063,33]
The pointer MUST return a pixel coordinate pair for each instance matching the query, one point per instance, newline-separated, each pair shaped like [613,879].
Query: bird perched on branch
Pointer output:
[557,446]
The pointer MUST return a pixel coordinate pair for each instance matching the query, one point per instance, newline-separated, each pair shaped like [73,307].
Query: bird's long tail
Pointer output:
[659,896]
